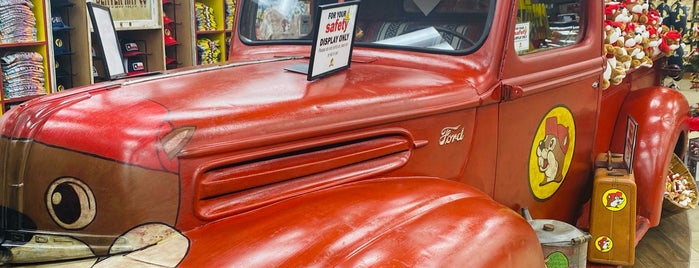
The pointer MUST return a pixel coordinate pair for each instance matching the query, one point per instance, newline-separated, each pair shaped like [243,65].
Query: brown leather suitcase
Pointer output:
[612,212]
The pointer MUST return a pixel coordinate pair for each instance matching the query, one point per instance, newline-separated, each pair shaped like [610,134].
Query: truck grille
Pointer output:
[12,185]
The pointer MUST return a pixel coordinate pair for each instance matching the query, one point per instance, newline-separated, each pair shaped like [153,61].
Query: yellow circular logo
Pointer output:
[604,243]
[551,152]
[614,199]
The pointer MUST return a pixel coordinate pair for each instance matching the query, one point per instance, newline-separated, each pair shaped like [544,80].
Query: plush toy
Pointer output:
[613,72]
[623,58]
[613,34]
[632,47]
[639,11]
[670,41]
[611,9]
[623,16]
[633,36]
[653,42]
[654,18]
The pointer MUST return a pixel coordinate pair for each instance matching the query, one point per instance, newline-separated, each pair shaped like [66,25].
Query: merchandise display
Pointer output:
[133,58]
[230,13]
[169,26]
[204,17]
[209,51]
[62,52]
[57,24]
[135,66]
[17,22]
[167,34]
[24,51]
[130,49]
[22,74]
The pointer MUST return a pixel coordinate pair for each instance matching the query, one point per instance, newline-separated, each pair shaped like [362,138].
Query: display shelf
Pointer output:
[28,43]
[182,12]
[209,29]
[151,43]
[201,20]
[170,24]
[62,48]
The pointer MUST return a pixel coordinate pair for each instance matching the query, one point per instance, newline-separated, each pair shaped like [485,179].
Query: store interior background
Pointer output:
[56,41]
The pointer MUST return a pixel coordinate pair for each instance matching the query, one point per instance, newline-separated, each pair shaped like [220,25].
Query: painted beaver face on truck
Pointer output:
[86,198]
[551,151]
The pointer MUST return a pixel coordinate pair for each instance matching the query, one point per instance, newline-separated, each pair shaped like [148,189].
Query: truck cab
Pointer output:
[450,117]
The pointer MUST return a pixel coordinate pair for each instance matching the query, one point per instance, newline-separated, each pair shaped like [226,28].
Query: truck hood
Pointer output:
[150,120]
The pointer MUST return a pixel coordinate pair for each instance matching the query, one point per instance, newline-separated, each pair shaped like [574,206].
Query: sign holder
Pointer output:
[630,143]
[333,40]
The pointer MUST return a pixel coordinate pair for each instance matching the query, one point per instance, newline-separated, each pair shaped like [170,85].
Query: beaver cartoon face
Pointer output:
[615,199]
[604,243]
[551,151]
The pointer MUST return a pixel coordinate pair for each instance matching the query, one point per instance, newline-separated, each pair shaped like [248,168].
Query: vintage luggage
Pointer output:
[612,212]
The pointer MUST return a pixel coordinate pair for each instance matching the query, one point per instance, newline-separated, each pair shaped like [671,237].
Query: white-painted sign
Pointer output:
[332,47]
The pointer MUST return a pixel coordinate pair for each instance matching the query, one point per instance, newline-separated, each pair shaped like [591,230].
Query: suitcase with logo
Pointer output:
[612,212]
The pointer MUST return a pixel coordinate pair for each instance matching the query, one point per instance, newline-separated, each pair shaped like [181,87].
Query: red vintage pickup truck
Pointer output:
[452,117]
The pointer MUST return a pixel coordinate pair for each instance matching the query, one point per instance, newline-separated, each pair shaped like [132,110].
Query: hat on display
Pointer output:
[60,73]
[57,24]
[167,20]
[169,60]
[131,49]
[59,48]
[169,40]
[135,67]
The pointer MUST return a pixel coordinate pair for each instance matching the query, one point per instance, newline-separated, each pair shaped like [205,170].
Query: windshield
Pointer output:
[455,26]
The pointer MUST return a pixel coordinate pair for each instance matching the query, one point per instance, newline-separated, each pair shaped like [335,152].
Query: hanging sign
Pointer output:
[333,39]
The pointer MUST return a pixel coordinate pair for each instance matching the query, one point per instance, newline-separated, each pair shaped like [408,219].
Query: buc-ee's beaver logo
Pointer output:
[551,152]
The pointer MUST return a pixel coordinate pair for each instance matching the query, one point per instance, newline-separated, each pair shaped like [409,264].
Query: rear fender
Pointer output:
[403,222]
[662,115]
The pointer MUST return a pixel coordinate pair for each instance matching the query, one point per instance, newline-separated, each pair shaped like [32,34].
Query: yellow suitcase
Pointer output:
[612,212]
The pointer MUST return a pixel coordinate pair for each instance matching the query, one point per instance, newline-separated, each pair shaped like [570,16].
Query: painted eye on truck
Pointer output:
[71,203]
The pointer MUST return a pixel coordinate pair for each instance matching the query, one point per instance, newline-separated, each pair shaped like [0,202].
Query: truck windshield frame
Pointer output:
[447,27]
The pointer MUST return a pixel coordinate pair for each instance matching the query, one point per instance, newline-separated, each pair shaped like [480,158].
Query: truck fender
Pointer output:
[662,115]
[406,222]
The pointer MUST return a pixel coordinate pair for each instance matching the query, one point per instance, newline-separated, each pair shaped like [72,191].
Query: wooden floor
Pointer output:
[669,244]
[675,242]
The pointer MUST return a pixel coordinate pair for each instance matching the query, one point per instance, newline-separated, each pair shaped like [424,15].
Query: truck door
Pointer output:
[548,107]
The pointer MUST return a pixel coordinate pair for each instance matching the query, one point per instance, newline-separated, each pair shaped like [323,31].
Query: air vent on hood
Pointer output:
[243,185]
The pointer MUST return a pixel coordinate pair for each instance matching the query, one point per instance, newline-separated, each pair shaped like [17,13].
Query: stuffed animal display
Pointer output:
[634,34]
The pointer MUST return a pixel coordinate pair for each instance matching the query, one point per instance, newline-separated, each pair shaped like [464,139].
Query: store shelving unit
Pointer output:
[62,53]
[40,46]
[190,36]
[73,64]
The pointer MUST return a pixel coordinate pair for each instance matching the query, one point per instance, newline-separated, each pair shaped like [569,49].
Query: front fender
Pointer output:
[380,222]
[662,115]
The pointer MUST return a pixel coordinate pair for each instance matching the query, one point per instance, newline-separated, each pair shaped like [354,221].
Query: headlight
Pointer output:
[71,203]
